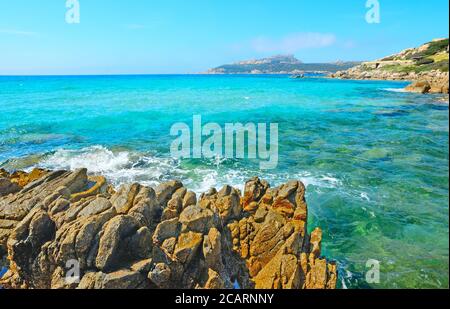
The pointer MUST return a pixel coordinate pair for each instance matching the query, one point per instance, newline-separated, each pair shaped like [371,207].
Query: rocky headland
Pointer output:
[163,237]
[281,64]
[427,67]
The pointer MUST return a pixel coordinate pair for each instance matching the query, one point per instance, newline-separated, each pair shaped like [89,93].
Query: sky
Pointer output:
[191,36]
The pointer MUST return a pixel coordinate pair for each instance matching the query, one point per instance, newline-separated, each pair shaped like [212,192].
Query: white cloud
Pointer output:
[17,32]
[293,42]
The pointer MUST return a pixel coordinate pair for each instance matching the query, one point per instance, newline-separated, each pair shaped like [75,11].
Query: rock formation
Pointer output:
[65,230]
[426,66]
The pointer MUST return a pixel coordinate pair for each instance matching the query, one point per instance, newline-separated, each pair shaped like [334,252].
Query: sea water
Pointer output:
[374,159]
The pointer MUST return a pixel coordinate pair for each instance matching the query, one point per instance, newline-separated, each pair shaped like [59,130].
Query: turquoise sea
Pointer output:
[375,160]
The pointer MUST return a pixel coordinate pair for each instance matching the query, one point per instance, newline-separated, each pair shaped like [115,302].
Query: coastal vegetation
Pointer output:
[427,64]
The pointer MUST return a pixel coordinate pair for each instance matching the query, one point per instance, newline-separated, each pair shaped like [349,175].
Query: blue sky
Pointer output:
[189,36]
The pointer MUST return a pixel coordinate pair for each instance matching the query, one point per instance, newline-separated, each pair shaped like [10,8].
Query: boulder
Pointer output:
[187,246]
[419,87]
[254,190]
[160,276]
[197,219]
[113,242]
[166,229]
[212,250]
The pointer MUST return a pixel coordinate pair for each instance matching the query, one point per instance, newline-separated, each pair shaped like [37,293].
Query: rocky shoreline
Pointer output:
[426,67]
[426,82]
[166,237]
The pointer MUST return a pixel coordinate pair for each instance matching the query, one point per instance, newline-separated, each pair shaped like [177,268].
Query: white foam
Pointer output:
[121,167]
[127,167]
[365,196]
[96,159]
[394,89]
[321,181]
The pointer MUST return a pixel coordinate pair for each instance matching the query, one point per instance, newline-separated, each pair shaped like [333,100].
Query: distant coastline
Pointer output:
[280,64]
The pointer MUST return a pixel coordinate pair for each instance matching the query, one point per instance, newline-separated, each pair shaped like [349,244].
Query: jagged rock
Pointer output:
[197,219]
[214,282]
[166,190]
[160,275]
[174,208]
[226,203]
[190,199]
[187,246]
[4,173]
[137,237]
[166,229]
[140,244]
[212,250]
[169,245]
[113,243]
[99,187]
[254,190]
[122,201]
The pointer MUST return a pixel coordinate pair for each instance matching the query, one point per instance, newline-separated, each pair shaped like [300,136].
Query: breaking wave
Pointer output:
[394,89]
[125,167]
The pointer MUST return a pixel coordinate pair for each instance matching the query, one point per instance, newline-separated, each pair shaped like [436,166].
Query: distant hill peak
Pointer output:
[286,59]
[279,64]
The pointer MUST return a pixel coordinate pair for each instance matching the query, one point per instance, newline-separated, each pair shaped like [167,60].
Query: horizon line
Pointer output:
[145,74]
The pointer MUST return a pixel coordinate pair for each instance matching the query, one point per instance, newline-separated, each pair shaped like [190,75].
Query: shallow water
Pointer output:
[374,159]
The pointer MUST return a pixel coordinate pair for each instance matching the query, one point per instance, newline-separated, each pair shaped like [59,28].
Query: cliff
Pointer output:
[426,66]
[279,65]
[140,237]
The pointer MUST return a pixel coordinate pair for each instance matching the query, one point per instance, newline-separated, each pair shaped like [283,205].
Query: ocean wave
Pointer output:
[321,181]
[394,89]
[126,167]
[96,159]
[119,167]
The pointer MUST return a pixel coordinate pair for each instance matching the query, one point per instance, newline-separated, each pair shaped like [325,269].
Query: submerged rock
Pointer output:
[69,230]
